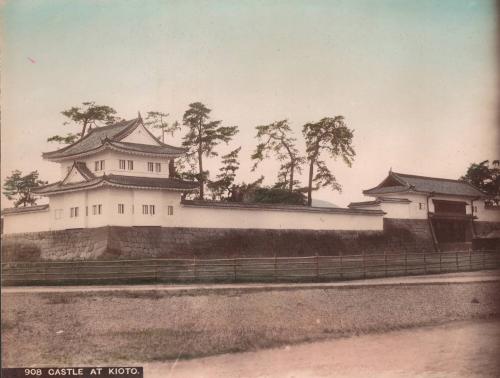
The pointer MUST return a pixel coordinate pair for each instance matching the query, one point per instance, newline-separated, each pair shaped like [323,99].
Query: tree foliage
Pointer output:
[221,188]
[276,139]
[158,120]
[18,188]
[202,137]
[245,192]
[86,117]
[276,195]
[485,176]
[330,137]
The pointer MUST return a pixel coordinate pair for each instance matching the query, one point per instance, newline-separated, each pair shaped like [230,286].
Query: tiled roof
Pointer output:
[164,149]
[281,207]
[111,136]
[151,182]
[363,203]
[84,170]
[119,181]
[60,187]
[27,209]
[378,201]
[423,184]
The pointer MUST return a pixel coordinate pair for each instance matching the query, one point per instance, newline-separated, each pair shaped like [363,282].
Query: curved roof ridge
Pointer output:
[428,177]
[98,138]
[90,134]
[425,184]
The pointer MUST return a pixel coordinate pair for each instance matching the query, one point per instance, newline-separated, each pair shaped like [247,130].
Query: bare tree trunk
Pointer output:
[200,180]
[291,177]
[200,158]
[309,188]
[84,128]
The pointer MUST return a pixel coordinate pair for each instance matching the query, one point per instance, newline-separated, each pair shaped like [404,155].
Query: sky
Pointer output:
[416,80]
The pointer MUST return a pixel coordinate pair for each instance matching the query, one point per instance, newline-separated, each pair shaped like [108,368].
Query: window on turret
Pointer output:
[122,164]
[73,212]
[96,209]
[58,213]
[130,165]
[121,208]
[148,209]
[150,167]
[99,165]
[158,167]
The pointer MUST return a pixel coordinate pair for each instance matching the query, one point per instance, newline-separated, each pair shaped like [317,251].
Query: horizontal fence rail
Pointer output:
[247,269]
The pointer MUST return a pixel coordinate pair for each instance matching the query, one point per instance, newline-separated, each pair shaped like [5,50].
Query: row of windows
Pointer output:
[99,165]
[74,212]
[127,164]
[154,167]
[97,210]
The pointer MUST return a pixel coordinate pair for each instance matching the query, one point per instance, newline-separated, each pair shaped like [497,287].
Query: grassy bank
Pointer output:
[103,327]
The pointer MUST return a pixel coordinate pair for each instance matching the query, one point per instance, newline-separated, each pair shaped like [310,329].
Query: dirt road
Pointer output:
[463,349]
[461,277]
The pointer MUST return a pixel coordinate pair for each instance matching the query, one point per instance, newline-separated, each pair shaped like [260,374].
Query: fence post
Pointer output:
[364,265]
[234,268]
[456,258]
[340,267]
[425,264]
[194,268]
[317,266]
[470,259]
[275,267]
[385,263]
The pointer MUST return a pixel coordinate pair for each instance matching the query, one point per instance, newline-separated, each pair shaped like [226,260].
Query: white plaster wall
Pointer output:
[392,210]
[75,176]
[183,216]
[486,215]
[140,165]
[65,167]
[413,211]
[65,202]
[140,135]
[26,222]
[115,197]
[112,165]
[274,219]
[397,210]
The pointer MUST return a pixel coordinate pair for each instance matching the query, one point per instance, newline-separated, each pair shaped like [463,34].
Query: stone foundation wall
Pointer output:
[76,244]
[484,228]
[112,242]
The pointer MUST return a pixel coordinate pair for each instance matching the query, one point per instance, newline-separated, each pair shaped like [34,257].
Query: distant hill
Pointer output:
[322,203]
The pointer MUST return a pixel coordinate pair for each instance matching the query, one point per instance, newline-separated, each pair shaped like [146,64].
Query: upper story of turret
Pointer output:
[125,148]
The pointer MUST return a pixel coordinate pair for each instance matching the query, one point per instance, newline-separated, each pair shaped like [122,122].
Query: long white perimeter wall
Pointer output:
[170,212]
[26,222]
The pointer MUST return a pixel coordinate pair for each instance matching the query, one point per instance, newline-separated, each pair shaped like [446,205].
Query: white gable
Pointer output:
[74,176]
[140,135]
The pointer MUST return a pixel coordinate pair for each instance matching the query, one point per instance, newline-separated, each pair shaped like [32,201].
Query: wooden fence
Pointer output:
[252,269]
